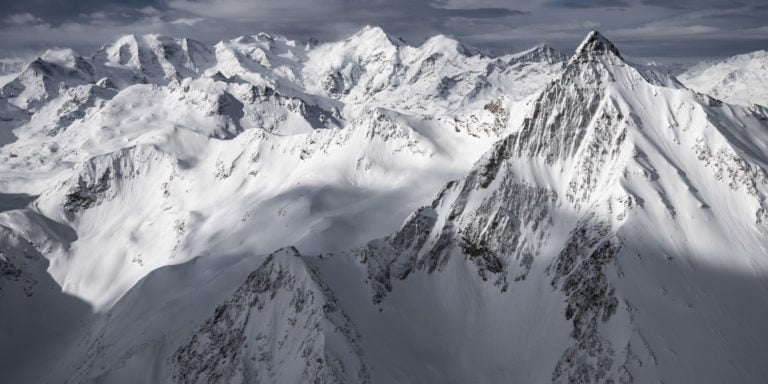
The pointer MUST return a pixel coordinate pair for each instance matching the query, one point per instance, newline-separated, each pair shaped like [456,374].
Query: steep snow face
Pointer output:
[741,79]
[168,149]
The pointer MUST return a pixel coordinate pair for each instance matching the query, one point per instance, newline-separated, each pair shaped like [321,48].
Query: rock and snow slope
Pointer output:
[616,231]
[741,79]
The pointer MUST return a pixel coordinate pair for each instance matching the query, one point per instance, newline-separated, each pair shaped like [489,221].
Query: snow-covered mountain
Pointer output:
[168,149]
[156,151]
[603,224]
[741,79]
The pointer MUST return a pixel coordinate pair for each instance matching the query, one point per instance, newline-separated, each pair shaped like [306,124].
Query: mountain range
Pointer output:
[270,210]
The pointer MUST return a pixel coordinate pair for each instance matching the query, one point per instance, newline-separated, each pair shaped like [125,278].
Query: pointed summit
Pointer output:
[597,44]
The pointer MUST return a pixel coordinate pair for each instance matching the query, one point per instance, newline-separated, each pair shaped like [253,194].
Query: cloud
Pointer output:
[479,13]
[187,21]
[702,4]
[658,28]
[413,20]
[334,10]
[592,3]
[257,10]
[22,19]
[652,31]
[85,37]
[59,11]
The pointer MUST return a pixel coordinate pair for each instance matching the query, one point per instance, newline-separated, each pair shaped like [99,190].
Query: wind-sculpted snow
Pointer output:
[606,226]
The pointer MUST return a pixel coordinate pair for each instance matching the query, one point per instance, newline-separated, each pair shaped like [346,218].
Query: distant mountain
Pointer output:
[741,79]
[267,210]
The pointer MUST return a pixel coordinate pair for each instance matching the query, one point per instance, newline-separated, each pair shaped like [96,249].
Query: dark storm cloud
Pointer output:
[674,29]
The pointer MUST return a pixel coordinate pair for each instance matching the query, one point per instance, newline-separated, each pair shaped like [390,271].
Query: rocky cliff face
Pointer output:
[313,340]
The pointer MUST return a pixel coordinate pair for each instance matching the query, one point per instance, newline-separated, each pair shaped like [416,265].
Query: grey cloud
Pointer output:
[696,50]
[336,10]
[593,3]
[480,13]
[702,4]
[332,19]
[65,10]
[22,19]
[677,29]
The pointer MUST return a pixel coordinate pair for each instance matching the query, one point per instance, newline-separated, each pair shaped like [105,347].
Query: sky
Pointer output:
[667,31]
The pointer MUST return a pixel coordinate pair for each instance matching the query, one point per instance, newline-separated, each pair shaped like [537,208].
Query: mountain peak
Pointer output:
[443,43]
[66,57]
[543,47]
[596,43]
[375,35]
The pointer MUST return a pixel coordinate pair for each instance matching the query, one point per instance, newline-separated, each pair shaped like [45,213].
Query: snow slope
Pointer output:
[615,231]
[741,79]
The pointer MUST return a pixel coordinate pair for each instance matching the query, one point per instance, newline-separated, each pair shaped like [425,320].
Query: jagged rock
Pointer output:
[317,342]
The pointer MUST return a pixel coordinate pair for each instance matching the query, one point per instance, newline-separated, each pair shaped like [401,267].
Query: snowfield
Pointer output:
[367,211]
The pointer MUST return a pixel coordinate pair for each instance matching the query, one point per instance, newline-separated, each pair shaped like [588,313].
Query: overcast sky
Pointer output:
[664,30]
